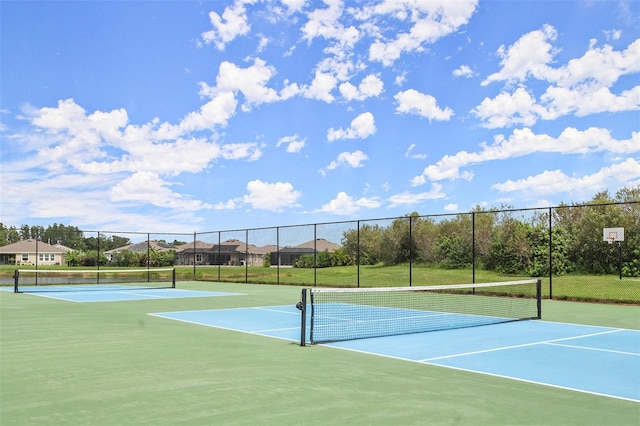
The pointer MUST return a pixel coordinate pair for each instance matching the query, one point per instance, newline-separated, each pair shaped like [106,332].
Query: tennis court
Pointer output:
[113,292]
[107,285]
[540,352]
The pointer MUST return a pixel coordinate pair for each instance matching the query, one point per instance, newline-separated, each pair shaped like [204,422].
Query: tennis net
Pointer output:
[358,313]
[33,280]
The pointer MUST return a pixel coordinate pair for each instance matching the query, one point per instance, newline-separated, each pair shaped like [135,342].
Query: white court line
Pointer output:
[589,348]
[521,346]
[258,308]
[48,296]
[271,330]
[254,333]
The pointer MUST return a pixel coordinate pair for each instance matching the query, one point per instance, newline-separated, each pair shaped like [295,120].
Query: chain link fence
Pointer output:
[565,246]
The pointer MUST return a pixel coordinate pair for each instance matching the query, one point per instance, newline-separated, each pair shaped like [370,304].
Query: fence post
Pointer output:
[358,253]
[194,256]
[473,247]
[410,250]
[97,260]
[550,255]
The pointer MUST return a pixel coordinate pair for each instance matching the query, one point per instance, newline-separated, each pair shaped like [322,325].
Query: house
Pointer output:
[141,247]
[198,251]
[237,253]
[33,252]
[289,255]
[229,253]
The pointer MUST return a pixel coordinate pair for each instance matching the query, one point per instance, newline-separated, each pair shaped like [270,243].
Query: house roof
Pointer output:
[237,246]
[200,245]
[30,246]
[142,247]
[320,245]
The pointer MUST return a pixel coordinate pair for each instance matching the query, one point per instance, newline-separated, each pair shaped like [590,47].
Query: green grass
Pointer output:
[574,287]
[110,363]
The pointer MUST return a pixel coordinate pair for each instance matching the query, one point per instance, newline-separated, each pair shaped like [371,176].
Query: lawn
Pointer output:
[574,287]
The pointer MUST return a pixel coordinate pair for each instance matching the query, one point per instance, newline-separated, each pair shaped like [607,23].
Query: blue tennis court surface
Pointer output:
[113,293]
[597,360]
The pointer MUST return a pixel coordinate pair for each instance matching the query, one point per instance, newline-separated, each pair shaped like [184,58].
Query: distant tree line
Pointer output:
[510,241]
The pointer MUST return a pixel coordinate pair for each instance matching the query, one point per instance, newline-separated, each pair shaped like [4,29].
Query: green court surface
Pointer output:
[110,363]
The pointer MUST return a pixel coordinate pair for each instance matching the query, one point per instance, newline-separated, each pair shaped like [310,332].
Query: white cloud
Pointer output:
[451,207]
[226,28]
[521,107]
[218,111]
[556,181]
[346,205]
[527,56]
[294,5]
[237,151]
[149,188]
[251,82]
[584,100]
[613,34]
[370,86]
[464,71]
[361,127]
[326,23]
[430,21]
[400,79]
[352,159]
[227,205]
[293,143]
[508,109]
[413,102]
[408,153]
[598,67]
[580,87]
[271,196]
[524,142]
[321,87]
[99,156]
[409,198]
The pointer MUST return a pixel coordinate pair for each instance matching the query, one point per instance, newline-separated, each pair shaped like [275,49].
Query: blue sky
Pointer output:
[184,116]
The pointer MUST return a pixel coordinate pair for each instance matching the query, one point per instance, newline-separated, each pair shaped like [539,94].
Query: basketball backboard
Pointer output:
[612,234]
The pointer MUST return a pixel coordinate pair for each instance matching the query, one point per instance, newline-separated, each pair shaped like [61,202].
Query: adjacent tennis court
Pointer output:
[106,285]
[113,292]
[546,353]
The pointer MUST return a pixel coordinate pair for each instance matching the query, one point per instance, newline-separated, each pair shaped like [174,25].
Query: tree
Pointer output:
[8,235]
[73,258]
[364,242]
[425,233]
[511,251]
[455,244]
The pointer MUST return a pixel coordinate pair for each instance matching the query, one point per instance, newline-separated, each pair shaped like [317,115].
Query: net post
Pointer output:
[15,281]
[173,278]
[539,297]
[302,307]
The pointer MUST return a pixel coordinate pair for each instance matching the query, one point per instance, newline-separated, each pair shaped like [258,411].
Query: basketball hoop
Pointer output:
[611,235]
